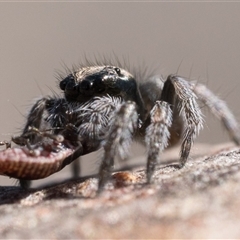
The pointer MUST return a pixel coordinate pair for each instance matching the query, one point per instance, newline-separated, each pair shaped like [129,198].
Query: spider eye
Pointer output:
[90,86]
[99,85]
[118,70]
[86,85]
[63,84]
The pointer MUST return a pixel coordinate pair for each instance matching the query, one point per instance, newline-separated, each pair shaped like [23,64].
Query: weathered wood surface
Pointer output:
[199,201]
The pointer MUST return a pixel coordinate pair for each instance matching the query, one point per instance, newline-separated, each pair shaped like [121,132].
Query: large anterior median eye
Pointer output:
[99,85]
[91,86]
[85,85]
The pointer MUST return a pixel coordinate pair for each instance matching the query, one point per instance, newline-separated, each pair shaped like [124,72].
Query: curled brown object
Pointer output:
[22,164]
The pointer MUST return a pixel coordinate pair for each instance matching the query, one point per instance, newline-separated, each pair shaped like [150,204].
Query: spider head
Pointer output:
[93,81]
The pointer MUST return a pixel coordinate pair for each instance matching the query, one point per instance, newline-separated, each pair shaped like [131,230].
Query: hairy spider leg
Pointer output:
[34,120]
[177,92]
[124,123]
[40,121]
[157,134]
[6,143]
[220,109]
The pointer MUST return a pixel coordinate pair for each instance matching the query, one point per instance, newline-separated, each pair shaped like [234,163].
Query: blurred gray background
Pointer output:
[37,39]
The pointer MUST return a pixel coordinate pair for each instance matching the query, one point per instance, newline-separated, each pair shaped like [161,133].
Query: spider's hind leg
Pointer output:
[219,109]
[178,93]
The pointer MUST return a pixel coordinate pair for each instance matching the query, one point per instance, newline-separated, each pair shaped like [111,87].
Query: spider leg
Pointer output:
[33,120]
[45,119]
[118,139]
[48,156]
[178,93]
[24,184]
[220,109]
[76,168]
[157,134]
[6,143]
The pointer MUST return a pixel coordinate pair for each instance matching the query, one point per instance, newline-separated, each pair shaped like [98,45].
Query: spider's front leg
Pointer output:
[122,126]
[157,134]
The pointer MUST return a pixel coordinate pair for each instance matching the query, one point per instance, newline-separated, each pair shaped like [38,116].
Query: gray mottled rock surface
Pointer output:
[199,201]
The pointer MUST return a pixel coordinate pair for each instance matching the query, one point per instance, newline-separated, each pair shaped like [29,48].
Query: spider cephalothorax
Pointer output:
[106,106]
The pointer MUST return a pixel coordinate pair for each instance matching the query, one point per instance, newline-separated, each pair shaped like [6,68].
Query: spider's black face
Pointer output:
[89,82]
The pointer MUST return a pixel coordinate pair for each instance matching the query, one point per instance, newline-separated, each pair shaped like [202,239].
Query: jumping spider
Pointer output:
[106,106]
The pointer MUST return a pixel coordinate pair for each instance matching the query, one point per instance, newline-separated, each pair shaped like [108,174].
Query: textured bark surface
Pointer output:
[199,201]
